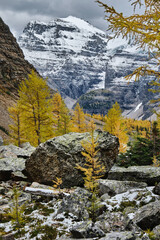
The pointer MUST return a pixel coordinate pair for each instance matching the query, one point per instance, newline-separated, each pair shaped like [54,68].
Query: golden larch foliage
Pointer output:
[36,110]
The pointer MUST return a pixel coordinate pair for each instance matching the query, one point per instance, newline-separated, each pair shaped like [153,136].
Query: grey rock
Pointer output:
[148,174]
[3,202]
[105,196]
[1,141]
[18,176]
[156,232]
[9,236]
[148,216]
[28,147]
[10,165]
[12,161]
[156,190]
[76,204]
[86,230]
[14,151]
[58,157]
[123,236]
[113,187]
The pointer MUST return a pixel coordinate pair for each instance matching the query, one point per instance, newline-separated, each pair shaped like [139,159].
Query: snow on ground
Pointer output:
[138,106]
[132,195]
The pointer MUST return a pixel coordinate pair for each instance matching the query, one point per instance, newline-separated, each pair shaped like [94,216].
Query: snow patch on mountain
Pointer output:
[70,52]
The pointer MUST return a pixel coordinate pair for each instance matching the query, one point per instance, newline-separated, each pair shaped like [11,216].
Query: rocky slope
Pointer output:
[126,208]
[13,69]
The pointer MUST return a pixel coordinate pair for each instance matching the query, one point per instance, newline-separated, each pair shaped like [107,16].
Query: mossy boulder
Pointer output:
[59,156]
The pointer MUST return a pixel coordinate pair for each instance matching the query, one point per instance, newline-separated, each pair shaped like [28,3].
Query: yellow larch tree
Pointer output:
[36,110]
[114,124]
[79,119]
[56,108]
[16,128]
[61,118]
[93,170]
[66,124]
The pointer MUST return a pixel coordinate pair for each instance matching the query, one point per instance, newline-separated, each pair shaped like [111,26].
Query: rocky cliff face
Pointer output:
[77,58]
[13,69]
[133,97]
[69,51]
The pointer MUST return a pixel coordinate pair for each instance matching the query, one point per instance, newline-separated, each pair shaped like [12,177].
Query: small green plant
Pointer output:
[151,234]
[17,211]
[49,233]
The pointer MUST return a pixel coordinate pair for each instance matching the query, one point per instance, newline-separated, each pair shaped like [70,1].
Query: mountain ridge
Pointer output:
[78,58]
[13,69]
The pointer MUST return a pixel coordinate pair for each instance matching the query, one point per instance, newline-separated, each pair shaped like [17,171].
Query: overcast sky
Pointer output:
[17,13]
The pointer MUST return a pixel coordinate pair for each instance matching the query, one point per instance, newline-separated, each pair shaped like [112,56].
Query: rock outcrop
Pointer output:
[113,187]
[148,174]
[12,161]
[13,69]
[59,156]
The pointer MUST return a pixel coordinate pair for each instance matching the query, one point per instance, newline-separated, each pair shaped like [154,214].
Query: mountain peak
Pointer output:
[82,24]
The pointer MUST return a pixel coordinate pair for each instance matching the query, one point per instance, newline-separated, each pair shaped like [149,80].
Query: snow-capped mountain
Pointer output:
[133,97]
[69,51]
[77,57]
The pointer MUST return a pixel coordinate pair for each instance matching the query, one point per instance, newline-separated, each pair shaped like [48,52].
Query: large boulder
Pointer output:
[59,156]
[113,187]
[148,216]
[148,174]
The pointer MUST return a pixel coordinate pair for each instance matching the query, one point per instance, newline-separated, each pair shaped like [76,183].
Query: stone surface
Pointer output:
[59,156]
[156,232]
[122,236]
[12,162]
[13,69]
[76,204]
[156,190]
[1,141]
[113,187]
[148,216]
[14,151]
[9,236]
[86,230]
[148,174]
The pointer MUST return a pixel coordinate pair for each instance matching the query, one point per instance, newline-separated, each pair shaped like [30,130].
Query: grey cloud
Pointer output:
[17,13]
